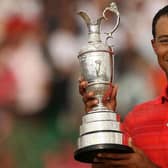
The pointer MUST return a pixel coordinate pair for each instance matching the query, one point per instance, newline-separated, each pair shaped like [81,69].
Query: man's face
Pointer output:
[160,43]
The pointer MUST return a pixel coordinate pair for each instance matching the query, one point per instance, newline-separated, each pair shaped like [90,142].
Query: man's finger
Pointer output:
[82,87]
[111,93]
[130,144]
[88,96]
[114,91]
[107,95]
[114,156]
[90,104]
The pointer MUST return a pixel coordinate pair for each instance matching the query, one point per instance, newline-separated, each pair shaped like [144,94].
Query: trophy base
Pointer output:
[88,154]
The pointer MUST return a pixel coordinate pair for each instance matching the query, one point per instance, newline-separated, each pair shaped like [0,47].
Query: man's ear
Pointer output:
[153,42]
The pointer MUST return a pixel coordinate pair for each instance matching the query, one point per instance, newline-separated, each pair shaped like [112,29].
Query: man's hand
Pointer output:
[137,159]
[109,99]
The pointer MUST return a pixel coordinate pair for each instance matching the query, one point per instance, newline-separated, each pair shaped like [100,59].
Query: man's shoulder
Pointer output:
[143,112]
[148,103]
[145,106]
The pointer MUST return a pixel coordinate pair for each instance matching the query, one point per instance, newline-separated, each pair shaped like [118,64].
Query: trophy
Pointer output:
[100,130]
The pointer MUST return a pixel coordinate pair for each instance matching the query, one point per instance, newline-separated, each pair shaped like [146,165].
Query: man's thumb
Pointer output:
[130,144]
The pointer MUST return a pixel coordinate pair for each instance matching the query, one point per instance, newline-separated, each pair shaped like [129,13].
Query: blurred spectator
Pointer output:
[62,45]
[134,78]
[27,9]
[8,88]
[27,63]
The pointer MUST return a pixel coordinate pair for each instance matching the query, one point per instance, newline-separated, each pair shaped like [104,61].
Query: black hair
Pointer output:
[160,13]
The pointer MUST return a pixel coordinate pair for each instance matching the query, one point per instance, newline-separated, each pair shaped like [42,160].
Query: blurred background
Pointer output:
[40,107]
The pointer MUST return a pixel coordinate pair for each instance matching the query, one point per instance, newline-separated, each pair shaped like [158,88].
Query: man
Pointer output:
[147,123]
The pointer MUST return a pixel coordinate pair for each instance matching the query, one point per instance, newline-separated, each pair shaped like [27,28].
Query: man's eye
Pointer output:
[164,41]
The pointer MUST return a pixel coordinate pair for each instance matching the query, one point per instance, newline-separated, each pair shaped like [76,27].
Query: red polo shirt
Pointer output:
[147,124]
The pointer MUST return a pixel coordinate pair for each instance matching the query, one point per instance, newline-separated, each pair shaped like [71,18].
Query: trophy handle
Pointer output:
[85,17]
[113,8]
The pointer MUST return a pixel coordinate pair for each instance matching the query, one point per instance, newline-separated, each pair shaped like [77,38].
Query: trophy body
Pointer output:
[100,130]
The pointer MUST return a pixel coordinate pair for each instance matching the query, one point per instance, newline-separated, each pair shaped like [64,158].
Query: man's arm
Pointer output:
[137,159]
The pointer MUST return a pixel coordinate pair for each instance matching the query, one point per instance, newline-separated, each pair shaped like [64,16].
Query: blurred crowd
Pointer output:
[40,107]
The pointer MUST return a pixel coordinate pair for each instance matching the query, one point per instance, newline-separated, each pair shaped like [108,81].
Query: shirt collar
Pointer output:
[164,97]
